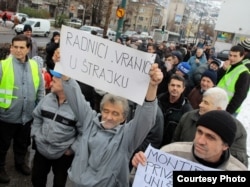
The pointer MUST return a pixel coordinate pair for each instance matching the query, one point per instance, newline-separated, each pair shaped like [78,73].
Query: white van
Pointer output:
[40,27]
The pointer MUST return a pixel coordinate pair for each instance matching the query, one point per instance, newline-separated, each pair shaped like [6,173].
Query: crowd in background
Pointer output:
[184,95]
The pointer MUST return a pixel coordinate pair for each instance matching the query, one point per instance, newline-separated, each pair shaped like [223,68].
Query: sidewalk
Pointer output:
[7,29]
[19,180]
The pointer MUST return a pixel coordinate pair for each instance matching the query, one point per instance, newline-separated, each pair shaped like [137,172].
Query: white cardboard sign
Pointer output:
[104,64]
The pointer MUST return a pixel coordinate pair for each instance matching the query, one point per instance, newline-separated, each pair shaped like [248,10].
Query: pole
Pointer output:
[83,15]
[120,21]
[107,20]
[198,27]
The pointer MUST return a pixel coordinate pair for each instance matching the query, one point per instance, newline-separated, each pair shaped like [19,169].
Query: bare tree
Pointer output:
[107,20]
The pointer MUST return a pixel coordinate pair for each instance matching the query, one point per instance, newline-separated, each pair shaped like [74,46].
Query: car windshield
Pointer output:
[28,22]
[100,31]
[84,28]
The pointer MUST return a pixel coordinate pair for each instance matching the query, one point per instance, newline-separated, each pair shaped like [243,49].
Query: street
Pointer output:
[17,179]
[6,35]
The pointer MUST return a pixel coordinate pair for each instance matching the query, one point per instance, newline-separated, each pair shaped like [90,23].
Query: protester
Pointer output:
[167,68]
[196,60]
[45,74]
[214,64]
[183,69]
[27,31]
[120,40]
[4,18]
[151,48]
[171,48]
[128,42]
[102,159]
[208,80]
[178,58]
[107,135]
[50,49]
[235,79]
[213,99]
[56,135]
[22,88]
[173,104]
[215,133]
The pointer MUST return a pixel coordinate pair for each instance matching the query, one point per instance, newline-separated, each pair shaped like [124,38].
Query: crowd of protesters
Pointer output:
[87,136]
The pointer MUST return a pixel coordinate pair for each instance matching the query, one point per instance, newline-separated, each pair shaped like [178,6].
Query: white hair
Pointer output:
[219,95]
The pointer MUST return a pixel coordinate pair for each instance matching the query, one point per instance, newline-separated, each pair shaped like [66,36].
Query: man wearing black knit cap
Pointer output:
[27,31]
[214,135]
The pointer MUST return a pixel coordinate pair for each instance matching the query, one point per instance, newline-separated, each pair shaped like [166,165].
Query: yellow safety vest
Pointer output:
[7,85]
[229,80]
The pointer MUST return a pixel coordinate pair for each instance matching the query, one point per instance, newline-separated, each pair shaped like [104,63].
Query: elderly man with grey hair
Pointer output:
[213,99]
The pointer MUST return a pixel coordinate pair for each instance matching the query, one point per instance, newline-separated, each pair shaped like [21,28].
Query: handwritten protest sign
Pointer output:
[160,166]
[104,64]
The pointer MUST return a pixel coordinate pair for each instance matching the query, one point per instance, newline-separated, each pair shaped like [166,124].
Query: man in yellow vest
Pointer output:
[234,78]
[21,87]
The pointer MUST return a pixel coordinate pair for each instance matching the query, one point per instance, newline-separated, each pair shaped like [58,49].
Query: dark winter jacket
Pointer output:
[172,113]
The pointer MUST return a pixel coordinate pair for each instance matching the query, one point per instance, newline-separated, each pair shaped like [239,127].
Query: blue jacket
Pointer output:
[194,65]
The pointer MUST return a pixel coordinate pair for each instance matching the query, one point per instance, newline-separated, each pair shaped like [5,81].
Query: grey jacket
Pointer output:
[55,128]
[102,159]
[20,111]
[185,131]
[33,48]
[184,150]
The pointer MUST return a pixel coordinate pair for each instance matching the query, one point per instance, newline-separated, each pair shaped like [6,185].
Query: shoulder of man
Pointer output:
[235,164]
[177,147]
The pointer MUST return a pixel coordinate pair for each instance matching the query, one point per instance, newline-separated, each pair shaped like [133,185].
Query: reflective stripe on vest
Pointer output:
[7,85]
[229,80]
[246,61]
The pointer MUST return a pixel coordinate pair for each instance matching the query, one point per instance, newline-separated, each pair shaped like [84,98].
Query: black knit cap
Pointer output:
[221,122]
[216,61]
[27,28]
[211,74]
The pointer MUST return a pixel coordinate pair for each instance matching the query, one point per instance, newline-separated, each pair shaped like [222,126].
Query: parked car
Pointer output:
[110,33]
[223,55]
[127,34]
[88,28]
[21,17]
[40,27]
[76,20]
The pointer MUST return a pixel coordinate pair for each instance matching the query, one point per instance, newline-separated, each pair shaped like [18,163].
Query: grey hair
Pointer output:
[219,95]
[116,100]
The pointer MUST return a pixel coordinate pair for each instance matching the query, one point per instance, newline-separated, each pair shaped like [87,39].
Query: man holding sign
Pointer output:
[215,134]
[107,143]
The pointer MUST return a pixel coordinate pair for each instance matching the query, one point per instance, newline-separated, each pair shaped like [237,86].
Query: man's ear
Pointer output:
[219,108]
[225,147]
